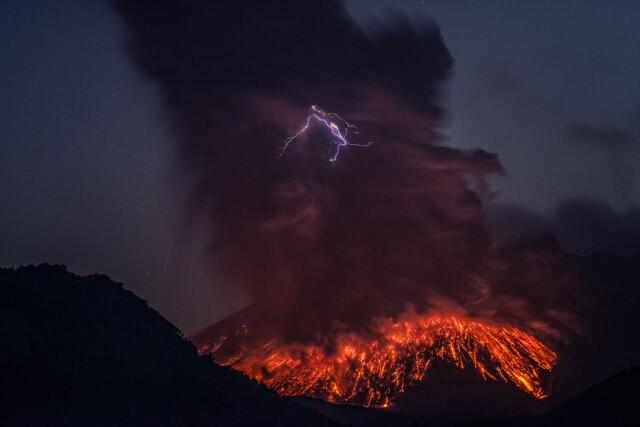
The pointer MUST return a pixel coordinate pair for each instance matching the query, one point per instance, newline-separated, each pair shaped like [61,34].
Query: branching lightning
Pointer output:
[340,130]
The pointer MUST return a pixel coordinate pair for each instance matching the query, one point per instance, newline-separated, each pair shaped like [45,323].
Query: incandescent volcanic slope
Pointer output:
[411,363]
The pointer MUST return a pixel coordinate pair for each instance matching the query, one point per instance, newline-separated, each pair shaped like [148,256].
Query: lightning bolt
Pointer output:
[340,130]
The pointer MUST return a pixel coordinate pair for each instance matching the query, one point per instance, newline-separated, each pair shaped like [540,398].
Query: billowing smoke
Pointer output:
[330,245]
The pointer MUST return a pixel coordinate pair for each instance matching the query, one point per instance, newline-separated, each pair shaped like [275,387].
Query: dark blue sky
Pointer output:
[87,168]
[525,73]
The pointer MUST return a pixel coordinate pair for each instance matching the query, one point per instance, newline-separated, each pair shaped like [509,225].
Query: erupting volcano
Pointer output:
[374,266]
[373,370]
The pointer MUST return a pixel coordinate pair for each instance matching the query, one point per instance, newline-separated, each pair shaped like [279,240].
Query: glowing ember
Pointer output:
[372,371]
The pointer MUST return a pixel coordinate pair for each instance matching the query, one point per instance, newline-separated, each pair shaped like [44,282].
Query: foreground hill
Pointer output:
[612,402]
[85,351]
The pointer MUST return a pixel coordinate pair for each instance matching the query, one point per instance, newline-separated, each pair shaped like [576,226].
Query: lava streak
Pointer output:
[374,370]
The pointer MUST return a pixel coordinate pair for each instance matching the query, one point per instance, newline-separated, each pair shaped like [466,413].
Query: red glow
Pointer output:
[372,370]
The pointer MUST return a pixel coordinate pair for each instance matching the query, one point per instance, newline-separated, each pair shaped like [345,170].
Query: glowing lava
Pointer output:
[373,370]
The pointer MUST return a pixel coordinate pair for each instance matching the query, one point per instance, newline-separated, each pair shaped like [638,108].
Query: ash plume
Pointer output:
[330,246]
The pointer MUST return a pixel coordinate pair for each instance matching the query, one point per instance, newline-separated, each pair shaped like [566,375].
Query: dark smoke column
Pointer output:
[328,248]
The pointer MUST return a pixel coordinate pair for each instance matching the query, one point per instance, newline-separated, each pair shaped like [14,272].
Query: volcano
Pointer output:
[394,357]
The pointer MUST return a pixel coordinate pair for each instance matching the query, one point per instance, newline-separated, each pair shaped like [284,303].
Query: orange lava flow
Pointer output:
[373,370]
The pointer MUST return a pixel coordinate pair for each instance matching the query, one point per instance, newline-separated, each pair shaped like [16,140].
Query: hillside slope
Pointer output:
[85,351]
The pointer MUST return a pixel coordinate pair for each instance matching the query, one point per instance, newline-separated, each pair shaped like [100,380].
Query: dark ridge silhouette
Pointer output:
[356,416]
[84,351]
[612,402]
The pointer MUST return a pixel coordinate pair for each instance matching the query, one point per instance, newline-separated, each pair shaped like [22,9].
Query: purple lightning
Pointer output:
[329,121]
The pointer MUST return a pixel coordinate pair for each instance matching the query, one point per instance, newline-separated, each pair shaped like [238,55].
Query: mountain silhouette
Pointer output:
[612,402]
[84,351]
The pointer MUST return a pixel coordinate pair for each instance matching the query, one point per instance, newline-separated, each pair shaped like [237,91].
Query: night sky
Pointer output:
[87,161]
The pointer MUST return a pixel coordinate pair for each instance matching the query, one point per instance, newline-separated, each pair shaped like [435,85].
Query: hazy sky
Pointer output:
[87,170]
[527,72]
